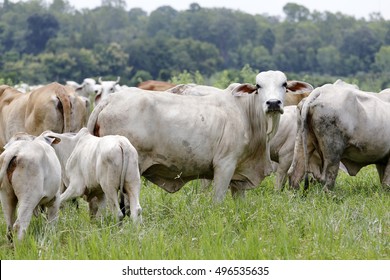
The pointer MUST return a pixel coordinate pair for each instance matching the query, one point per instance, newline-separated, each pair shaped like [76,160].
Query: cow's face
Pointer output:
[89,86]
[271,87]
[105,89]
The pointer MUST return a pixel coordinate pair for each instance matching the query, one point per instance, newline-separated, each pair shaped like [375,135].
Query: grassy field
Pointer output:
[353,222]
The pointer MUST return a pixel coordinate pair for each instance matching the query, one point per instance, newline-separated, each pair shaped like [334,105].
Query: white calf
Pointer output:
[30,175]
[99,167]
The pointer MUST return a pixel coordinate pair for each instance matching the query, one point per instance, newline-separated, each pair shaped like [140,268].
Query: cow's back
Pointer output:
[358,115]
[54,107]
[155,85]
[33,157]
[12,112]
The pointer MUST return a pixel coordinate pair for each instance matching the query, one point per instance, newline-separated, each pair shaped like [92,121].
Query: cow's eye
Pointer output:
[285,84]
[258,86]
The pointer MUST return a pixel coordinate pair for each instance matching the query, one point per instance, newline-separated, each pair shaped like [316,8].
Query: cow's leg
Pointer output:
[330,175]
[111,193]
[93,206]
[53,208]
[332,145]
[331,166]
[237,192]
[297,169]
[100,204]
[331,157]
[281,174]
[280,180]
[109,181]
[8,202]
[76,189]
[124,204]
[25,212]
[133,189]
[381,171]
[385,181]
[223,173]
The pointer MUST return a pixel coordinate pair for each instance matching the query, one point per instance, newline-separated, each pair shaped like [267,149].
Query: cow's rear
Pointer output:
[337,124]
[30,175]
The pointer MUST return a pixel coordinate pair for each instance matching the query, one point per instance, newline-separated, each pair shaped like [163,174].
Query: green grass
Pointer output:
[353,222]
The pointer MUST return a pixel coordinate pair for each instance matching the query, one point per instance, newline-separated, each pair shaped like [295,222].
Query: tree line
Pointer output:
[42,42]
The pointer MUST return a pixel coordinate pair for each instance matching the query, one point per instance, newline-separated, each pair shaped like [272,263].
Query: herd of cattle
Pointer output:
[53,149]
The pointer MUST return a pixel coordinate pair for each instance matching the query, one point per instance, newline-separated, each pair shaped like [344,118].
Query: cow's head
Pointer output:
[88,88]
[107,87]
[271,87]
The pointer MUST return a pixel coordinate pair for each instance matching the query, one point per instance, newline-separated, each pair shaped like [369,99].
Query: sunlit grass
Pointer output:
[353,222]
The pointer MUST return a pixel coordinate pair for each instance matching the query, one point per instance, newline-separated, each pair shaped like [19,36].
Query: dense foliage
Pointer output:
[44,41]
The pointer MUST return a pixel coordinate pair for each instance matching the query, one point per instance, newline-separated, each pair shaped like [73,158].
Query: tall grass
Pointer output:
[353,222]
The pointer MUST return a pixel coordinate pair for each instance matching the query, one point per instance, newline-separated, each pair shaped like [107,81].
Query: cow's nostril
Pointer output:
[274,104]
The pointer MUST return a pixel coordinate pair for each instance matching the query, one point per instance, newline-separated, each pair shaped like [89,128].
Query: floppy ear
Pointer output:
[244,89]
[98,97]
[299,87]
[7,145]
[51,139]
[79,88]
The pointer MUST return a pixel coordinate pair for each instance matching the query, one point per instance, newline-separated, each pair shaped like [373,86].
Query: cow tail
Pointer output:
[65,108]
[304,133]
[6,160]
[125,165]
[93,126]
[304,143]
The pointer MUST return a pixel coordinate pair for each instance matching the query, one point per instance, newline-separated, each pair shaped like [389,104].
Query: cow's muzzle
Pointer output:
[274,105]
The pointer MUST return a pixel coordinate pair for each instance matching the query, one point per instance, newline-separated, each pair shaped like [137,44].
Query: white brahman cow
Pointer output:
[282,144]
[107,88]
[30,175]
[341,124]
[99,167]
[88,89]
[224,137]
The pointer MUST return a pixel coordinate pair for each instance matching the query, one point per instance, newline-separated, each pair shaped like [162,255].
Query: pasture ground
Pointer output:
[353,223]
